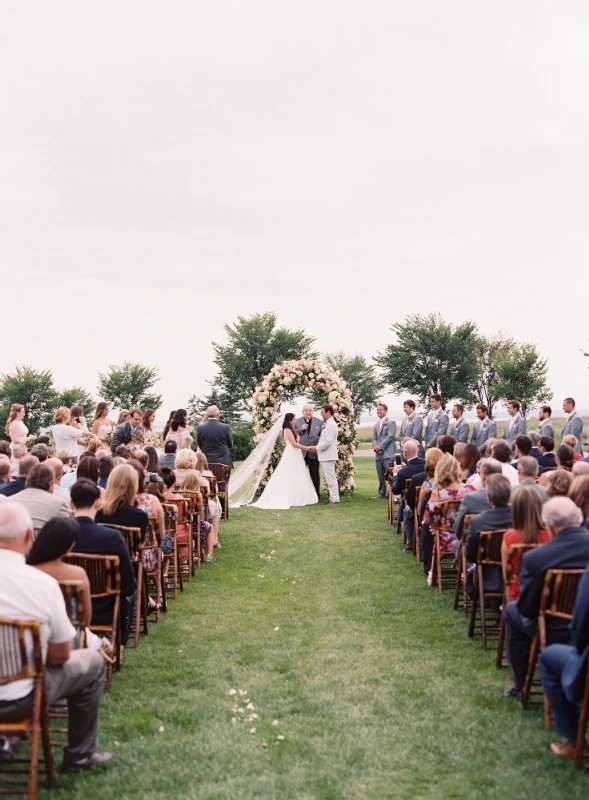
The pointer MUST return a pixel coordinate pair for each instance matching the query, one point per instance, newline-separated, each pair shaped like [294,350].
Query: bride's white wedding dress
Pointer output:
[290,484]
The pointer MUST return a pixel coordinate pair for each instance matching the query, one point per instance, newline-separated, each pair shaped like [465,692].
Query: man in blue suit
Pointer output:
[564,668]
[414,465]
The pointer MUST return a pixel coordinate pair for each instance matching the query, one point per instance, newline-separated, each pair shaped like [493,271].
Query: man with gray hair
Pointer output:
[476,502]
[527,470]
[581,468]
[25,465]
[568,549]
[214,439]
[38,498]
[74,675]
[56,465]
[308,428]
[496,518]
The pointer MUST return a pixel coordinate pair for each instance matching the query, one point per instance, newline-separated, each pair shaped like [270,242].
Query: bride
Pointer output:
[290,484]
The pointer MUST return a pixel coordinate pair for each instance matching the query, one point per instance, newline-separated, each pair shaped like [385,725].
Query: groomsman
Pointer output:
[515,425]
[545,428]
[574,423]
[412,424]
[484,428]
[309,429]
[437,421]
[459,428]
[383,444]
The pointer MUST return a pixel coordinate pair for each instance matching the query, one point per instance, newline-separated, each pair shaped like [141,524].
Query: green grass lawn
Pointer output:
[331,630]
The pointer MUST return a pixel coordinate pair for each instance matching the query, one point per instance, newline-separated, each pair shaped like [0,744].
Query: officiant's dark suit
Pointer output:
[122,435]
[309,438]
[215,440]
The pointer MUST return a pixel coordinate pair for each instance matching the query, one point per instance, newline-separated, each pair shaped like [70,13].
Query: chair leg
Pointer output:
[534,650]
[34,762]
[138,605]
[458,587]
[473,611]
[482,608]
[547,714]
[47,750]
[434,567]
[500,644]
[582,727]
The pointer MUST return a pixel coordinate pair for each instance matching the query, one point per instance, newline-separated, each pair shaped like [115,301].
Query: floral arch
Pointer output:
[325,385]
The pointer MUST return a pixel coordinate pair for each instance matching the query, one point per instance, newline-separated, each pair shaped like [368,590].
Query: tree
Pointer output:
[491,350]
[254,346]
[129,386]
[198,405]
[361,377]
[432,357]
[522,375]
[33,389]
[76,396]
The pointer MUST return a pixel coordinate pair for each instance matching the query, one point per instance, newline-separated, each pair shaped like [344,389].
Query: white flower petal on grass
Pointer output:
[254,716]
[232,692]
[161,729]
[242,693]
[233,720]
[252,730]
[260,576]
[240,710]
[251,707]
[275,722]
[277,628]
[280,738]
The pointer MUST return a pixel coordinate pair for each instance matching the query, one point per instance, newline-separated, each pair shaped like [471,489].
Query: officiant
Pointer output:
[309,430]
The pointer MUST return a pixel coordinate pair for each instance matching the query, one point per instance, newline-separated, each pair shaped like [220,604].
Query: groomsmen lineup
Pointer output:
[437,424]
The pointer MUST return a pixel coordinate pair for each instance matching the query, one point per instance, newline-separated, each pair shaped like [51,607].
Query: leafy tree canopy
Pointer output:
[361,378]
[33,389]
[130,385]
[76,396]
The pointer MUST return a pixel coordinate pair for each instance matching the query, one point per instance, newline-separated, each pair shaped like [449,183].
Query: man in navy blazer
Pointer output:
[125,432]
[25,465]
[564,668]
[547,458]
[214,439]
[414,465]
[98,540]
[569,549]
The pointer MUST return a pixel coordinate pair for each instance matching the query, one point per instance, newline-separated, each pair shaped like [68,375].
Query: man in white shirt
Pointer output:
[27,593]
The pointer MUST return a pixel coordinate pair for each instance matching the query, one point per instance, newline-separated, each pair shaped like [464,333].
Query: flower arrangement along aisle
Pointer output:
[325,385]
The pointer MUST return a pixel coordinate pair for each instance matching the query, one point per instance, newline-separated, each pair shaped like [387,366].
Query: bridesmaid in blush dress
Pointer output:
[16,428]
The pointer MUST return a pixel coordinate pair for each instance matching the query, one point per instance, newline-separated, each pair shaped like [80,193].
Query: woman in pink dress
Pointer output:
[16,428]
[447,485]
[102,424]
[149,432]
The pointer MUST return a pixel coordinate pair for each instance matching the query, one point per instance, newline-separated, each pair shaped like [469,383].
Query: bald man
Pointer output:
[415,464]
[308,428]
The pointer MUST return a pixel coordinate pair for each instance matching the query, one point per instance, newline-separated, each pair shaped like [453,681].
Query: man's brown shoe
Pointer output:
[566,750]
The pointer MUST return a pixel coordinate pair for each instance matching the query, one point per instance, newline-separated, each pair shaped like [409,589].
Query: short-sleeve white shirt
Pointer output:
[27,593]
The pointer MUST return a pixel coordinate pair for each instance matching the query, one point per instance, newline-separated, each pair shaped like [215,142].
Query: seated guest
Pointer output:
[527,470]
[5,448]
[118,506]
[153,464]
[564,668]
[5,471]
[97,540]
[149,503]
[535,439]
[579,494]
[446,486]
[124,452]
[169,458]
[459,450]
[413,465]
[88,468]
[73,675]
[547,458]
[497,518]
[580,468]
[46,440]
[476,502]
[105,467]
[424,479]
[586,453]
[568,549]
[502,452]
[25,465]
[545,427]
[528,528]
[94,445]
[557,483]
[214,509]
[571,441]
[186,460]
[565,457]
[18,451]
[66,459]
[56,465]
[523,447]
[38,498]
[471,455]
[209,533]
[41,451]
[446,444]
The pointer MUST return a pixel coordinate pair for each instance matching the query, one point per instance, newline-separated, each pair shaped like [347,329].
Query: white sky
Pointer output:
[165,167]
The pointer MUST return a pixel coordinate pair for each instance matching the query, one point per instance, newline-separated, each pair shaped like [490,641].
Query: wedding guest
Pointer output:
[413,465]
[557,483]
[65,457]
[528,528]
[25,465]
[16,428]
[523,447]
[515,424]
[168,423]
[78,420]
[94,445]
[545,427]
[18,451]
[527,471]
[574,423]
[446,444]
[66,436]
[170,496]
[477,501]
[447,485]
[565,457]
[58,490]
[5,471]
[209,532]
[169,457]
[214,509]
[471,455]
[186,460]
[496,518]
[151,507]
[459,428]
[179,432]
[149,431]
[102,425]
[571,441]
[425,479]
[125,433]
[483,429]
[46,440]
[568,549]
[153,464]
[88,468]
[118,505]
[105,466]
[458,450]
[535,451]
[38,498]
[502,452]
[41,451]
[547,460]
[580,468]
[579,494]
[72,675]
[123,452]
[124,416]
[5,448]
[215,439]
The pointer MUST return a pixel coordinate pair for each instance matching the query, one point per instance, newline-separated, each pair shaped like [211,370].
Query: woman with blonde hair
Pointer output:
[528,528]
[572,441]
[557,483]
[118,505]
[579,494]
[447,485]
[16,429]
[65,435]
[186,461]
[208,532]
[102,424]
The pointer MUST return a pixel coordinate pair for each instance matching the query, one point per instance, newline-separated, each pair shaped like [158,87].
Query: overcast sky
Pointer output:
[165,167]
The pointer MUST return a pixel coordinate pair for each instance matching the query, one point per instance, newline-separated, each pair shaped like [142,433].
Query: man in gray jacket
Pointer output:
[515,424]
[484,428]
[383,444]
[459,428]
[545,426]
[573,425]
[411,425]
[437,421]
[38,498]
[476,502]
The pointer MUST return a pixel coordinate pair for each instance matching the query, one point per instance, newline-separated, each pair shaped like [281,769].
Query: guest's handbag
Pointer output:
[168,544]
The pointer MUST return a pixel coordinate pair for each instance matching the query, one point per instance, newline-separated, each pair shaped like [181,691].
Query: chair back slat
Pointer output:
[20,650]
[514,562]
[132,537]
[73,597]
[560,592]
[220,471]
[489,552]
[103,572]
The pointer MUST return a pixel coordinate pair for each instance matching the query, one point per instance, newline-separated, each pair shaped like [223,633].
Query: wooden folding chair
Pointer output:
[195,548]
[21,659]
[559,593]
[104,575]
[488,555]
[132,537]
[186,508]
[170,517]
[462,571]
[221,473]
[513,571]
[416,525]
[444,578]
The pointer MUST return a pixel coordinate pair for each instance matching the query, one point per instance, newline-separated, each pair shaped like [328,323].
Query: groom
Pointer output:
[326,450]
[309,430]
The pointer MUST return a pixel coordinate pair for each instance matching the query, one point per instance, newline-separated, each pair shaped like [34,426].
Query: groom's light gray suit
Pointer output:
[383,437]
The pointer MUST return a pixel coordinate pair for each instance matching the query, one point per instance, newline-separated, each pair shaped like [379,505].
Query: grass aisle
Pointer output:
[377,689]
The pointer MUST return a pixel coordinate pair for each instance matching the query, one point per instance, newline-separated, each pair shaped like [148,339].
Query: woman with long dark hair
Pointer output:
[153,462]
[528,528]
[179,432]
[149,432]
[168,423]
